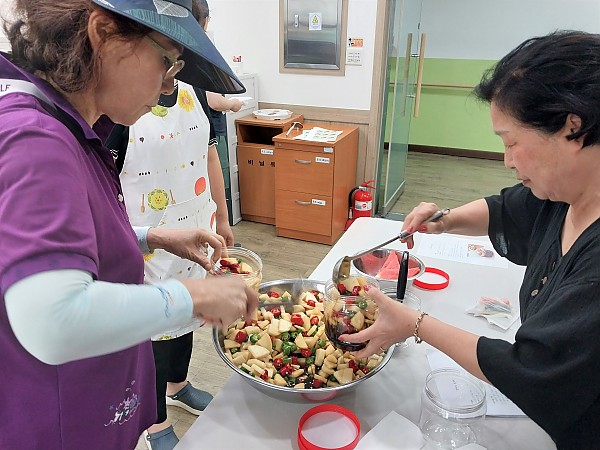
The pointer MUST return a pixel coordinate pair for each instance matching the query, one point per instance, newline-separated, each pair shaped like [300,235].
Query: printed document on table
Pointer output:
[319,135]
[464,250]
[498,404]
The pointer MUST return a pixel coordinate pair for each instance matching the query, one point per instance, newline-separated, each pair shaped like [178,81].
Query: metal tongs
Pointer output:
[341,269]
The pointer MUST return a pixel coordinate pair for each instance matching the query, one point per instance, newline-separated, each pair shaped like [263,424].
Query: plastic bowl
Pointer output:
[289,394]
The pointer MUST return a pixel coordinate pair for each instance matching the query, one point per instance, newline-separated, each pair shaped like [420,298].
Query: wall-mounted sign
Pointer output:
[314,21]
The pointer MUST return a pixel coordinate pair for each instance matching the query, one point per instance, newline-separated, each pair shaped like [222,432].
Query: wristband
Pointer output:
[433,286]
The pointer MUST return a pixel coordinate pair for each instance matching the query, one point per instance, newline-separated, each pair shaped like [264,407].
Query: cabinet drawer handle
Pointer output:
[302,203]
[302,161]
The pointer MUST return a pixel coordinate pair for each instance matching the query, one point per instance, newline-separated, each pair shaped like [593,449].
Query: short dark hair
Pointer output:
[200,11]
[545,79]
[51,37]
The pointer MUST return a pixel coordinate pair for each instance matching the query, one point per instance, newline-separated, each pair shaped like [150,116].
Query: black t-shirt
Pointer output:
[552,371]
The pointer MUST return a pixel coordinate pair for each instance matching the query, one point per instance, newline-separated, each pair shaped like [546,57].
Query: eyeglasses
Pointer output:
[172,64]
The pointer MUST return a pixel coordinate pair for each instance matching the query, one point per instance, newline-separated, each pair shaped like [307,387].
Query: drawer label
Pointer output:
[321,159]
[328,149]
[266,151]
[318,202]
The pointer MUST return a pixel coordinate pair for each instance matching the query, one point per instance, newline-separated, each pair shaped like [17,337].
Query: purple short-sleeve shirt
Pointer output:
[61,207]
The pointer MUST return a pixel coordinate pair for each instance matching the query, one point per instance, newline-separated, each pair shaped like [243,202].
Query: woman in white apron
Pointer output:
[172,178]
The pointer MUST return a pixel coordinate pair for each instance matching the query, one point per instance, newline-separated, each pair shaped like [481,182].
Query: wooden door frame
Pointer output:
[378,89]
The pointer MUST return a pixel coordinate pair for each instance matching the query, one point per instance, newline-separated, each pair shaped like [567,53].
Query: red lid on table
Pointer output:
[328,427]
[444,277]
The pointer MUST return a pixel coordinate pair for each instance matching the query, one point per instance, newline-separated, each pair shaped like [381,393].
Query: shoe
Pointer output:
[191,399]
[161,440]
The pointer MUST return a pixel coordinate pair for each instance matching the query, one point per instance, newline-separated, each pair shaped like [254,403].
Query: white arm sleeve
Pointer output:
[64,315]
[142,236]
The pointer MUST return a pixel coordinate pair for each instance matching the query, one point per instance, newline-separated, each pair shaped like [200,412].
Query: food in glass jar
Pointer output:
[242,262]
[287,346]
[348,310]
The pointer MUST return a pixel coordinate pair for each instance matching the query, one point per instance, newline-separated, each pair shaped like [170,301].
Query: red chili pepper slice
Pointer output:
[278,363]
[314,320]
[352,364]
[311,302]
[265,375]
[306,352]
[341,288]
[296,319]
[317,383]
[276,312]
[241,336]
[355,290]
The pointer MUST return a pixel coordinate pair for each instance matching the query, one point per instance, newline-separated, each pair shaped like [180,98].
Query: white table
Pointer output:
[242,417]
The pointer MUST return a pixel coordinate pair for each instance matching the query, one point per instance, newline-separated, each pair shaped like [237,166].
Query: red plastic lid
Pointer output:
[443,276]
[328,427]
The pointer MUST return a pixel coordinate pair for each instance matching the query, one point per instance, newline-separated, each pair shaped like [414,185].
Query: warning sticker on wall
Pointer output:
[314,21]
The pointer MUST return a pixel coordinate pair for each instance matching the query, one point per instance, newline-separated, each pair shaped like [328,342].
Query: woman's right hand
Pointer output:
[394,322]
[414,221]
[222,300]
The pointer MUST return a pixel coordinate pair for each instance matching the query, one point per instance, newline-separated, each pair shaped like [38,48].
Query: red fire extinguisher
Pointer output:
[360,202]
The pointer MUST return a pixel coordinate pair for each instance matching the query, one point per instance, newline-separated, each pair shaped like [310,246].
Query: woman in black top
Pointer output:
[545,105]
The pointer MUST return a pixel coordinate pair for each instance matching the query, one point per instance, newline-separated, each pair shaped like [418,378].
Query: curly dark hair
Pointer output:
[51,37]
[545,79]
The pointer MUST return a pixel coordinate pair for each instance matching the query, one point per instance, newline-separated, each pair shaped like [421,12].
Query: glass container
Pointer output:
[247,265]
[348,310]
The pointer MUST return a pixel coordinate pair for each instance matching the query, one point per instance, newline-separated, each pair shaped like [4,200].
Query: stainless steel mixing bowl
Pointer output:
[371,264]
[295,286]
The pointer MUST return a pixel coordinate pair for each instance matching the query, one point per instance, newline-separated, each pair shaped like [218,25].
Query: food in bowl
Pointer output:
[384,264]
[275,297]
[391,268]
[348,309]
[241,262]
[286,346]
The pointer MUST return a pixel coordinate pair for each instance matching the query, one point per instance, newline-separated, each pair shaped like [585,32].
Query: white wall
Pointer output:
[5,8]
[488,29]
[250,28]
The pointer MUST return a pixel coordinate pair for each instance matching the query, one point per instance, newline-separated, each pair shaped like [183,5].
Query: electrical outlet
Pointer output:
[354,56]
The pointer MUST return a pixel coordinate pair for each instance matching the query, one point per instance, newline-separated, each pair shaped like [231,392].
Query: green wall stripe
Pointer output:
[452,117]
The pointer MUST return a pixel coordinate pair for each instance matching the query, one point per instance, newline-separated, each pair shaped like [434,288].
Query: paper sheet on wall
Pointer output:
[498,404]
[470,251]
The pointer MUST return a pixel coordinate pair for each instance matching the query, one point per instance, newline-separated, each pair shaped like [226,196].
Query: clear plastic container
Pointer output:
[453,405]
[348,310]
[248,262]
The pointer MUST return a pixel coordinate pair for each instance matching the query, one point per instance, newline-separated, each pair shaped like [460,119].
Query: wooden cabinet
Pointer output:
[312,183]
[256,165]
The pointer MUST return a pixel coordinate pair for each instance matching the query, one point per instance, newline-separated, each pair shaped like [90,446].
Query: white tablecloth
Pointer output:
[242,417]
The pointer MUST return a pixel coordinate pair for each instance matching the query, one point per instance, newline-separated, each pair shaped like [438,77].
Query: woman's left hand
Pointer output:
[191,243]
[394,323]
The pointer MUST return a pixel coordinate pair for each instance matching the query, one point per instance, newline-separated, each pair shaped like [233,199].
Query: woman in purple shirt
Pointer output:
[75,320]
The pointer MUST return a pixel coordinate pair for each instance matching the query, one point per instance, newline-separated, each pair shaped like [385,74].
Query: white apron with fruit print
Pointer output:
[165,183]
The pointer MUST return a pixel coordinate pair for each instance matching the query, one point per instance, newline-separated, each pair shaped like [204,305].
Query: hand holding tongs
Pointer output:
[341,269]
